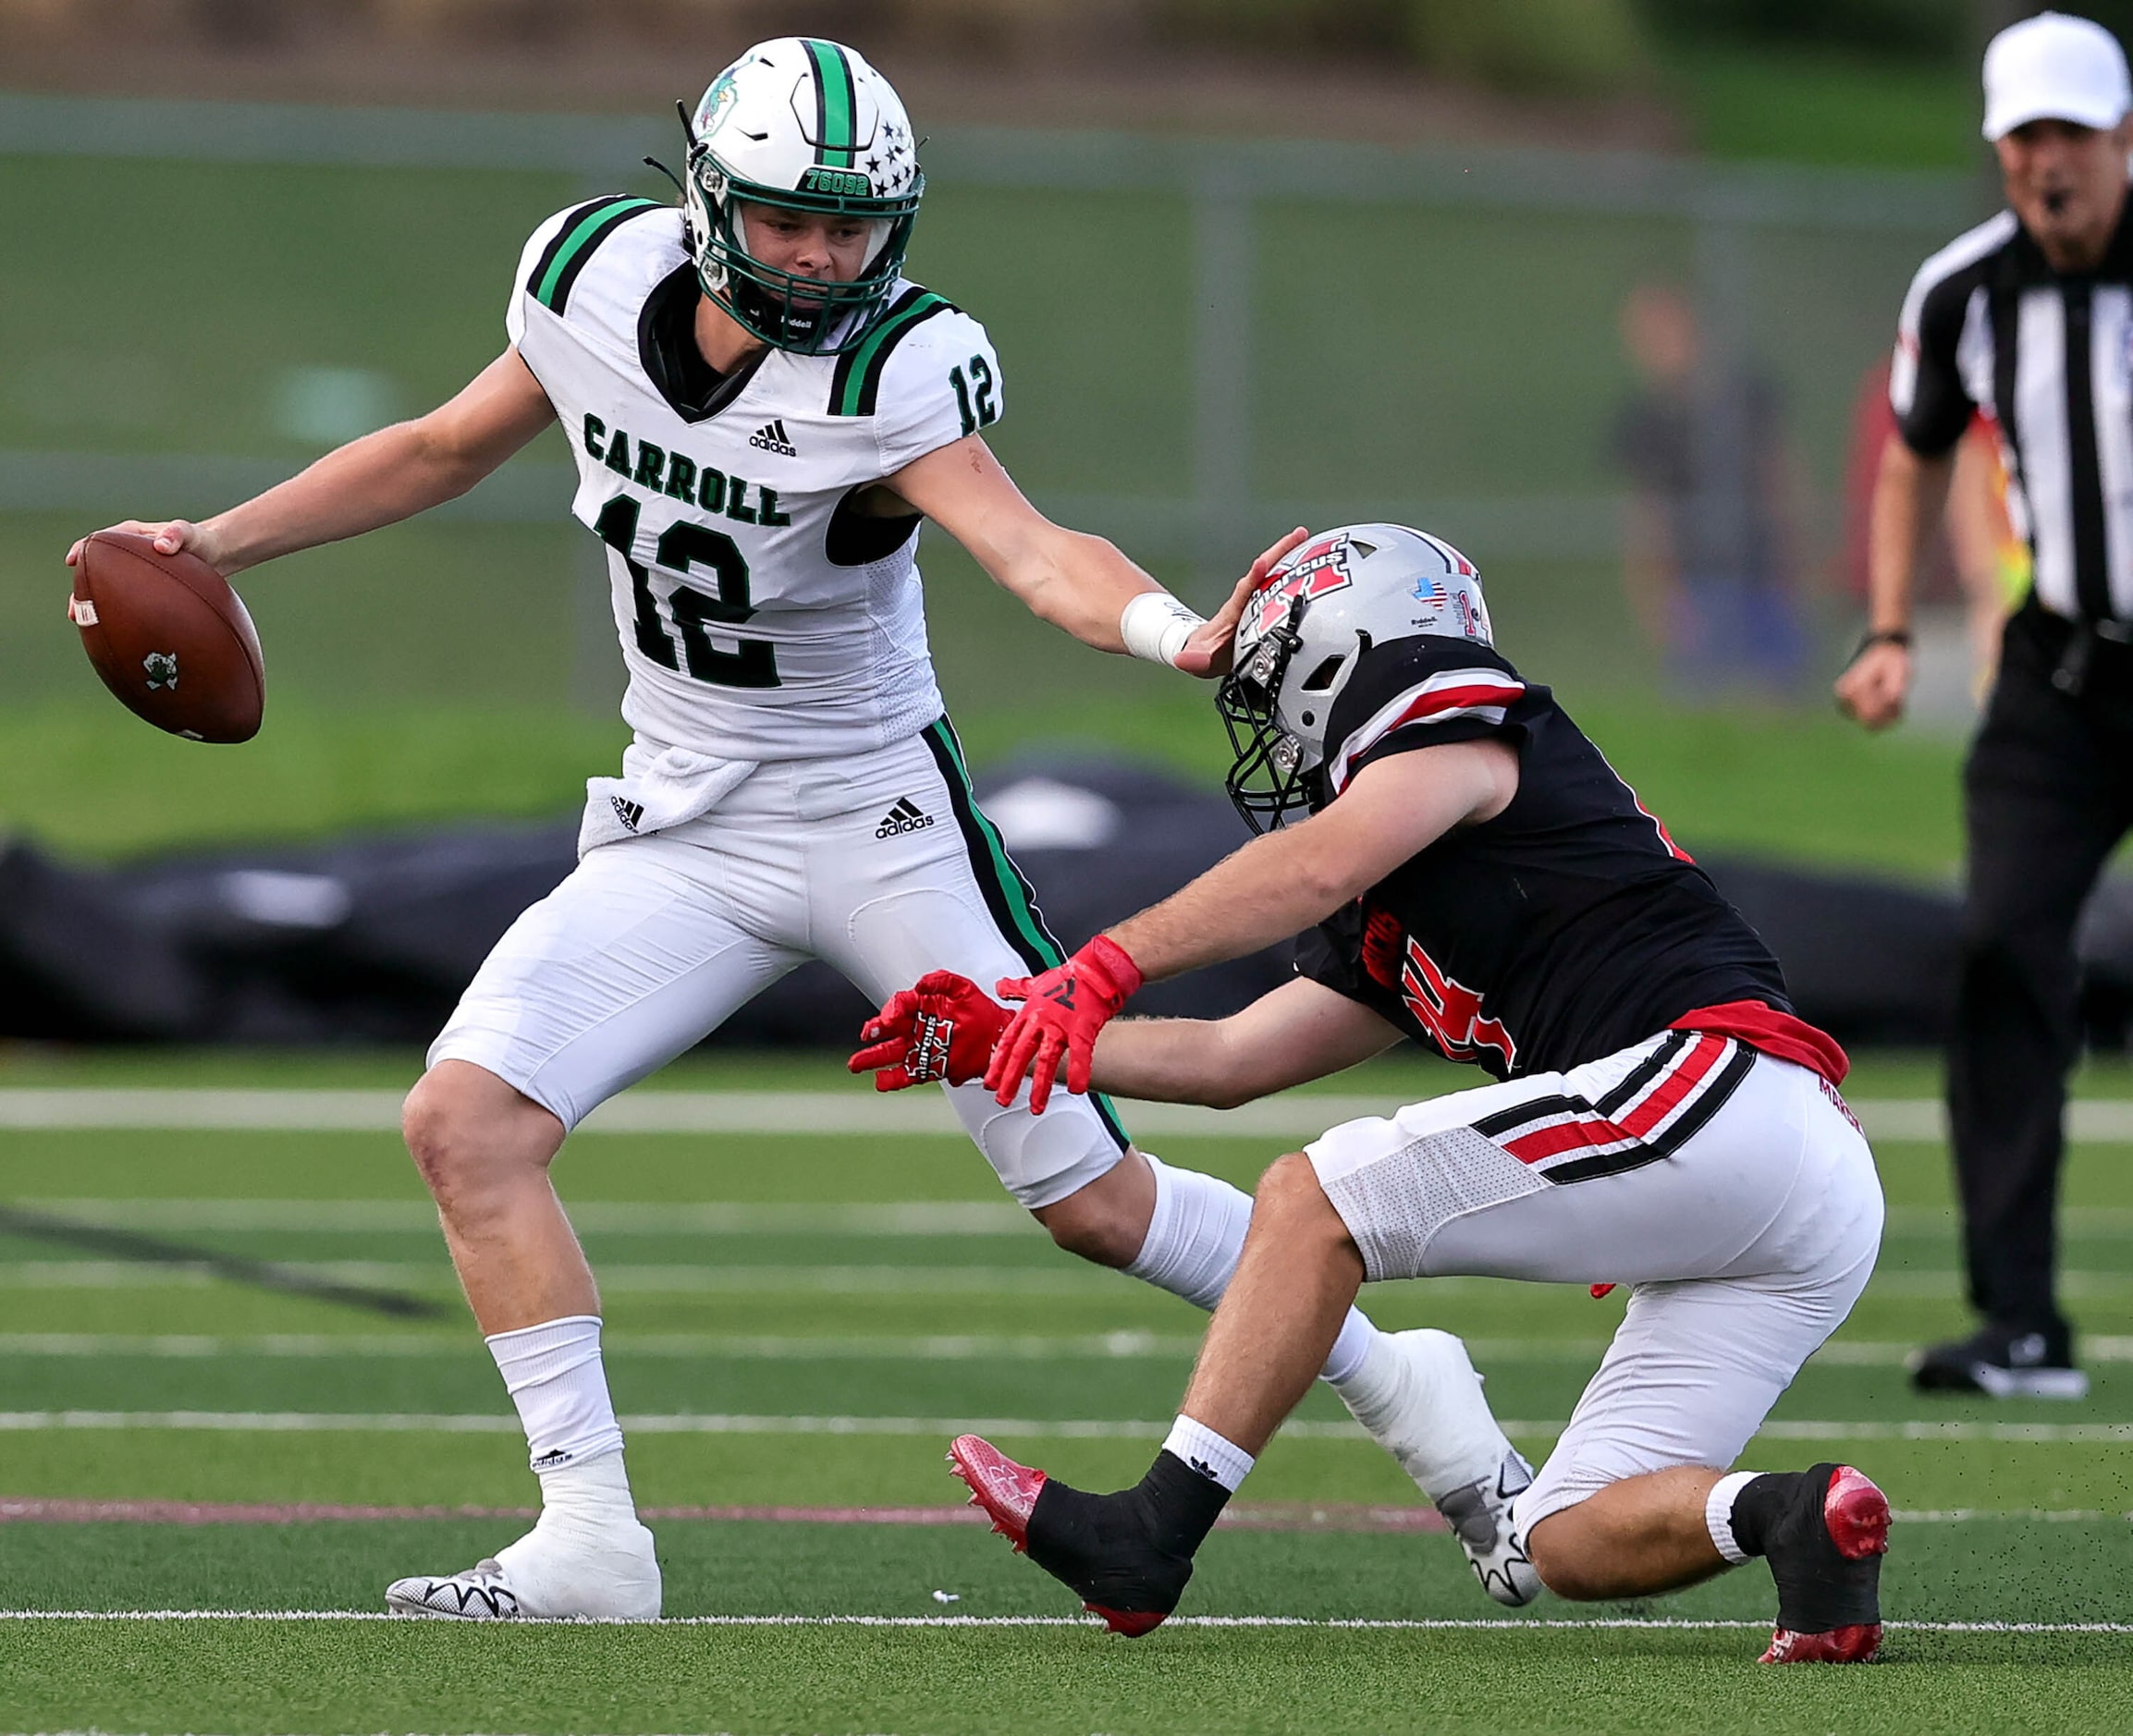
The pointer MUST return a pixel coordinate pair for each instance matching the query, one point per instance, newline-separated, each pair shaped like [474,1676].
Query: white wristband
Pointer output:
[1154,626]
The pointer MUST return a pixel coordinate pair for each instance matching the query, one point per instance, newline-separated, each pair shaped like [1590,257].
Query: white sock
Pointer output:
[1420,1398]
[589,1499]
[554,1376]
[1207,1452]
[1194,1236]
[1193,1244]
[1718,1513]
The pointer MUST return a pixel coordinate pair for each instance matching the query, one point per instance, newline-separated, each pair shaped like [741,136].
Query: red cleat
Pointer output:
[1855,1516]
[1005,1490]
[1857,1513]
[1839,1646]
[1132,1623]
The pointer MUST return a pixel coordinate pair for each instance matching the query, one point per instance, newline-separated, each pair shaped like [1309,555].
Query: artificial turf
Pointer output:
[415,1676]
[726,1340]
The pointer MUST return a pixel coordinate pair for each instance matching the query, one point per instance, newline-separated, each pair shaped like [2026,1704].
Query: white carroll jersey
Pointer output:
[761,618]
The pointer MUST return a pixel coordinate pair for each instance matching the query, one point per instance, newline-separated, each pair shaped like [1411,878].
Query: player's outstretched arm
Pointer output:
[1301,1031]
[1285,882]
[1078,582]
[944,1026]
[1275,887]
[380,479]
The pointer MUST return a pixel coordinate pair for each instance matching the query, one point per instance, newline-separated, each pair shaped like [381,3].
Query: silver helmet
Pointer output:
[1304,631]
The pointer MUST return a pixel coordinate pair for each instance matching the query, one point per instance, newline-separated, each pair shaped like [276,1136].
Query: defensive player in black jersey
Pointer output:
[1481,880]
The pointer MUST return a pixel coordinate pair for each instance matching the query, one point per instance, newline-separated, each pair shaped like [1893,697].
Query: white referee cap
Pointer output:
[2054,68]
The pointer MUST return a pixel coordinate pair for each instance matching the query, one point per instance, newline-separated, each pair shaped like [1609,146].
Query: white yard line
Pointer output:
[812,1347]
[1476,1624]
[322,1346]
[723,1218]
[605,1217]
[483,1423]
[1062,1278]
[1293,1116]
[1070,1279]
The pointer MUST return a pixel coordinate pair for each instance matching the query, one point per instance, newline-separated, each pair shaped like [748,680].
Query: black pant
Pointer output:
[2048,792]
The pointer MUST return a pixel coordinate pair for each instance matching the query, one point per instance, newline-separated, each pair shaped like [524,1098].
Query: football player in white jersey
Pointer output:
[761,409]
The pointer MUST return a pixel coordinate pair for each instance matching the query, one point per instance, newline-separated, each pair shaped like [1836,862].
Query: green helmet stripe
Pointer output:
[581,233]
[1009,898]
[837,105]
[858,378]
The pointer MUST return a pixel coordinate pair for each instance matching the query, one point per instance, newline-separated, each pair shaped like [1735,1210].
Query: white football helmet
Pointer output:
[808,125]
[1304,631]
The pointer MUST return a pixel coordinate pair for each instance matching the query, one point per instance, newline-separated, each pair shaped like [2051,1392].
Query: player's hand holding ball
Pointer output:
[165,632]
[942,1028]
[1063,1009]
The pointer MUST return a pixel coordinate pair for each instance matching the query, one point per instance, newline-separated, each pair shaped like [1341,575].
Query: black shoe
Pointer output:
[2003,1362]
[1127,1556]
[1824,1532]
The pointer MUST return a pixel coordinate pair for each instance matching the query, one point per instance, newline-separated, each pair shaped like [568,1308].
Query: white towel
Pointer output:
[657,788]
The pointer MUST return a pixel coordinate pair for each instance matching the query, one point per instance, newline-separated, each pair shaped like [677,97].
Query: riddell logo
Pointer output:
[906,816]
[770,437]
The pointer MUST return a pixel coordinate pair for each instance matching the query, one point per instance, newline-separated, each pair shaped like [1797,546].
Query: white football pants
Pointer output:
[1731,1191]
[879,863]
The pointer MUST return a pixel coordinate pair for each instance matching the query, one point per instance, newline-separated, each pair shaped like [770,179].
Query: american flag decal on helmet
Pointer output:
[1664,1102]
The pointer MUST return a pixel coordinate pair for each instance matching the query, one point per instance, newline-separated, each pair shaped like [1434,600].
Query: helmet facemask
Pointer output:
[1273,773]
[808,315]
[1304,632]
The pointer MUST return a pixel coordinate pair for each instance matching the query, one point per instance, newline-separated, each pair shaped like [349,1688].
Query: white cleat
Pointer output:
[614,1578]
[1421,1400]
[480,1594]
[1479,1516]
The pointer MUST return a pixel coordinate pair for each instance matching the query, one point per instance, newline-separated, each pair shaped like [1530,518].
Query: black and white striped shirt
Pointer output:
[1988,325]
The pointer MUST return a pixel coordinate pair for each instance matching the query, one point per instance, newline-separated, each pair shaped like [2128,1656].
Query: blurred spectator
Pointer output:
[1978,559]
[1708,549]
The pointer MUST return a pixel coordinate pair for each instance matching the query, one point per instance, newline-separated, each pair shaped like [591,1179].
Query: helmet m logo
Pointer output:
[1312,571]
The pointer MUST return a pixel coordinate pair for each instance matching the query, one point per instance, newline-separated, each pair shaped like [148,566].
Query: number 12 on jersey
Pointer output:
[973,395]
[683,546]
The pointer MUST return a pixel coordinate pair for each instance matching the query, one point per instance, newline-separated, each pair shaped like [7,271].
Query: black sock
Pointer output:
[1780,1515]
[1133,1550]
[1761,1504]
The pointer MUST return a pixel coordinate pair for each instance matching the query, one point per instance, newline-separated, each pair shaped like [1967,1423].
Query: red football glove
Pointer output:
[1384,946]
[1061,1011]
[943,1027]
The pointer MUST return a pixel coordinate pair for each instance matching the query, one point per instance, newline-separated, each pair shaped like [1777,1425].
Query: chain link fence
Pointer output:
[1203,342]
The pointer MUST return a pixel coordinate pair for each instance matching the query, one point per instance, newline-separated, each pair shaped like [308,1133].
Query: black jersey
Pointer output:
[1568,927]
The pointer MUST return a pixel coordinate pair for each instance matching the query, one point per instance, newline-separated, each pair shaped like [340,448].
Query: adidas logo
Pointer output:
[906,816]
[549,1460]
[770,437]
[631,814]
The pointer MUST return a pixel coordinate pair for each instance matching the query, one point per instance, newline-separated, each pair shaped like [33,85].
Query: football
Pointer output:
[169,637]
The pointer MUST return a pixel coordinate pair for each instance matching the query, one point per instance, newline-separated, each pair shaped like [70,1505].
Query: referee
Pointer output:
[2030,317]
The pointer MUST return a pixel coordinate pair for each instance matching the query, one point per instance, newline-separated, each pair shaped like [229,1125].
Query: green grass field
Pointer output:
[800,1321]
